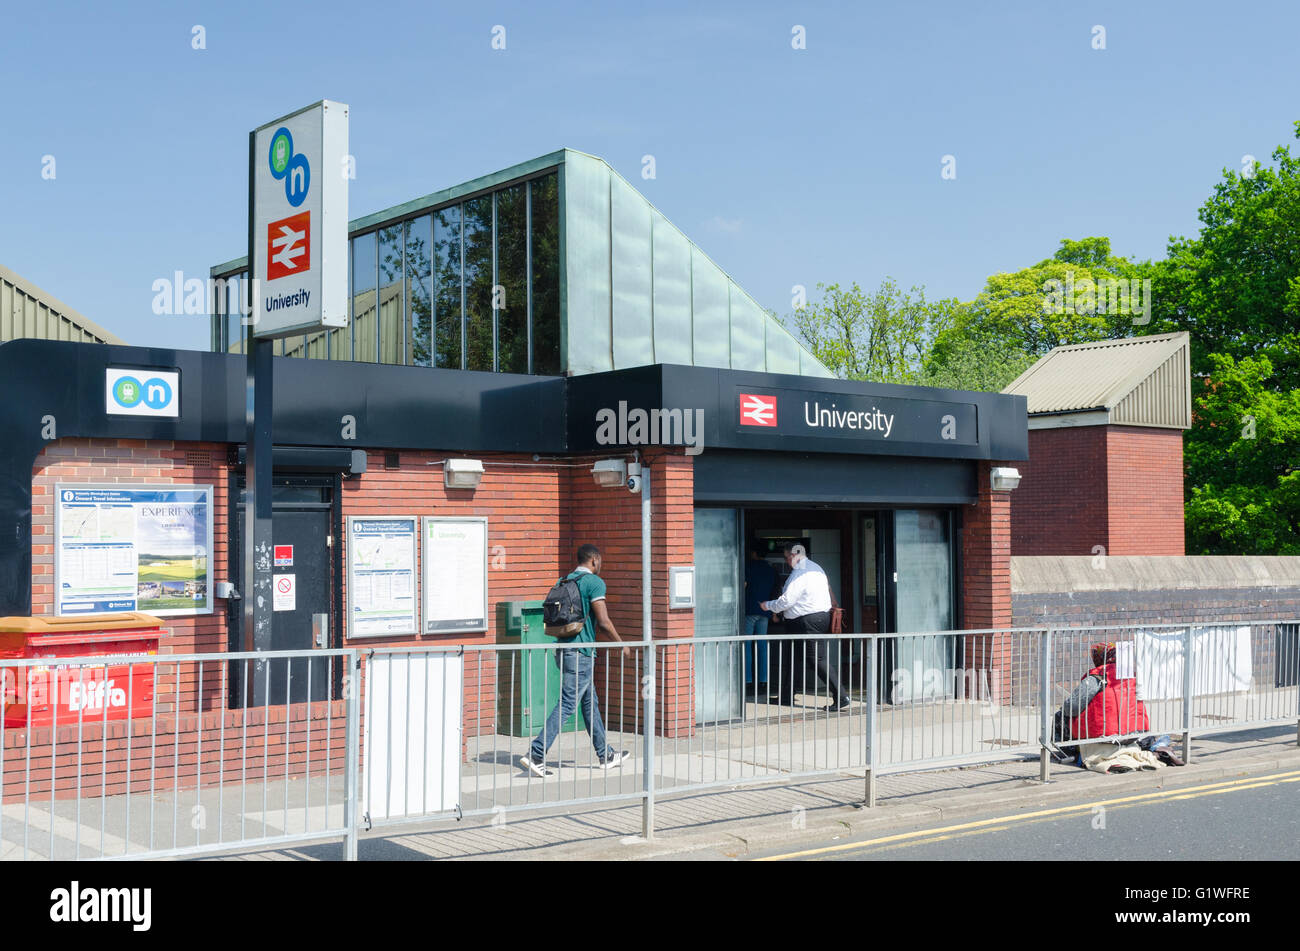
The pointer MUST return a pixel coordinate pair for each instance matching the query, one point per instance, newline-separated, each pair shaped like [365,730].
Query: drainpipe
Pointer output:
[648,808]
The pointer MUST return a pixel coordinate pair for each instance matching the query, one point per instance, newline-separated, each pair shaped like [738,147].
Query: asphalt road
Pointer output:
[1246,819]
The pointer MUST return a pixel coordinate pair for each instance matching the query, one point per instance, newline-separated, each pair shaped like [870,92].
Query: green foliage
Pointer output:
[882,336]
[1242,461]
[1236,286]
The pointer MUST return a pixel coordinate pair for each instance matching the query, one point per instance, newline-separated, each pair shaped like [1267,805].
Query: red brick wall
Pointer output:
[1060,505]
[1145,481]
[137,461]
[610,519]
[1120,487]
[537,514]
[986,581]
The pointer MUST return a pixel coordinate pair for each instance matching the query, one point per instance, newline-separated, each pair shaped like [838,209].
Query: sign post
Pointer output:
[297,265]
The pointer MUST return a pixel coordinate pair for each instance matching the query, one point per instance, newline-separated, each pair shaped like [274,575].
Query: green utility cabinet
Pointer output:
[528,682]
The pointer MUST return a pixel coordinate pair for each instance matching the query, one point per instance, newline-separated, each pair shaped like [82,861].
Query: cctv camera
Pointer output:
[634,484]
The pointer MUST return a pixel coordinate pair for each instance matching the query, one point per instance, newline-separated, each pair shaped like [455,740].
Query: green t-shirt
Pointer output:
[592,588]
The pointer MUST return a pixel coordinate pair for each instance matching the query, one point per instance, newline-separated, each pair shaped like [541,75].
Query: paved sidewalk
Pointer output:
[733,822]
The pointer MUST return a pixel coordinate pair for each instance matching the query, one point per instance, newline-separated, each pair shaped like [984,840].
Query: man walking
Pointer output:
[805,603]
[576,667]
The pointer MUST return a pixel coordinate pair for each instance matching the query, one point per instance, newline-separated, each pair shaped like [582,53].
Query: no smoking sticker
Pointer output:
[286,593]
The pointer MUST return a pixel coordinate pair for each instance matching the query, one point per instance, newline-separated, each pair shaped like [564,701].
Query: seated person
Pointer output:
[1104,704]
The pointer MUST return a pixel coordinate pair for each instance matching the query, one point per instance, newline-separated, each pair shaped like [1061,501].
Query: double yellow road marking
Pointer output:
[980,825]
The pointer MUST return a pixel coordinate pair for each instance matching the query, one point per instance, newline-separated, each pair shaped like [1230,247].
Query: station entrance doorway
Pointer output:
[889,570]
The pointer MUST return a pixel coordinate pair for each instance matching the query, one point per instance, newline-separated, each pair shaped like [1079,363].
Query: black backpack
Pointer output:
[562,610]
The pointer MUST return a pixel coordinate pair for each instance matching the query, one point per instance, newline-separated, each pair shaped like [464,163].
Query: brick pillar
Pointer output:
[986,585]
[672,544]
[611,519]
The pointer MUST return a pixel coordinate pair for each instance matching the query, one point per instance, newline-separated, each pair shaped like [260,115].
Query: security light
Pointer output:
[610,472]
[1004,478]
[462,473]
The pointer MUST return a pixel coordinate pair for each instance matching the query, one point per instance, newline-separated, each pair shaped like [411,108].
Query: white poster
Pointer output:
[412,733]
[285,590]
[381,576]
[455,574]
[124,548]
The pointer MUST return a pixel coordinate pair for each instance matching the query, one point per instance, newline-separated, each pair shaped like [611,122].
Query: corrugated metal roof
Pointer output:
[28,311]
[1100,376]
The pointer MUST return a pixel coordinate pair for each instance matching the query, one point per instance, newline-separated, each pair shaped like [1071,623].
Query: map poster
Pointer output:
[381,576]
[124,548]
[455,574]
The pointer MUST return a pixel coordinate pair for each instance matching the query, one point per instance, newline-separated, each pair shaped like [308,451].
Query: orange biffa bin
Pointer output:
[79,693]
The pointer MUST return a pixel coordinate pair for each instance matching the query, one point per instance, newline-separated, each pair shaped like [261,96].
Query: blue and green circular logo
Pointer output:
[293,169]
[127,392]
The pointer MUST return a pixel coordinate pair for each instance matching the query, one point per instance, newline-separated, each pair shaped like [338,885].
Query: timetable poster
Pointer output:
[133,548]
[381,576]
[455,574]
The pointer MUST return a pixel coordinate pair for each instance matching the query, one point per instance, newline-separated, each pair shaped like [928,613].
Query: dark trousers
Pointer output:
[803,661]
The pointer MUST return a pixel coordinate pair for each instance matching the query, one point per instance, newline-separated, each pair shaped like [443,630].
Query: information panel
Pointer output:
[133,548]
[455,574]
[381,576]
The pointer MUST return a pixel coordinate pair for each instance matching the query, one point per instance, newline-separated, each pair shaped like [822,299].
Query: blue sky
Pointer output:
[787,166]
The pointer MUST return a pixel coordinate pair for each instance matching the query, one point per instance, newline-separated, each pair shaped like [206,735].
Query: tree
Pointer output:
[1243,470]
[883,336]
[1081,293]
[1236,286]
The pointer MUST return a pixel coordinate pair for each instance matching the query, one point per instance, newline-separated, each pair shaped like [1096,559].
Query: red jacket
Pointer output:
[1115,709]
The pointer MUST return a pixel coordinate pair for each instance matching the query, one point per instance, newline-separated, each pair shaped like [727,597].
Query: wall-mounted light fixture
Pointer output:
[610,472]
[1004,478]
[462,473]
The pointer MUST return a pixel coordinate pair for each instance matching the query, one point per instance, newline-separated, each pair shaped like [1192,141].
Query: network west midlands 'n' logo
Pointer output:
[292,169]
[288,241]
[757,410]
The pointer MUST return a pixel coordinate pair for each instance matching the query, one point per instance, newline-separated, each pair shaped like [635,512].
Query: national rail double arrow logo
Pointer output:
[757,410]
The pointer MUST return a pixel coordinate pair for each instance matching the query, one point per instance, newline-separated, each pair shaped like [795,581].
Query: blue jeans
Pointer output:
[576,687]
[755,624]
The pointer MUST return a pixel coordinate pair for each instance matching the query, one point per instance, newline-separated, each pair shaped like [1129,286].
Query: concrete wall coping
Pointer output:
[1060,574]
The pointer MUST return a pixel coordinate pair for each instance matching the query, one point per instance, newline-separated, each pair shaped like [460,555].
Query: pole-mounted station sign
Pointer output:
[298,266]
[300,221]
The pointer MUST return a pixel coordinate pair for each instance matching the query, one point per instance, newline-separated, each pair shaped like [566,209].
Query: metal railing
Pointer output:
[175,755]
[212,752]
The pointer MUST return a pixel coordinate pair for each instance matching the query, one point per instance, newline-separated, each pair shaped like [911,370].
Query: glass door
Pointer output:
[923,602]
[719,668]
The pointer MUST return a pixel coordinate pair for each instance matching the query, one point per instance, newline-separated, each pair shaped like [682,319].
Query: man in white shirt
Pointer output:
[805,603]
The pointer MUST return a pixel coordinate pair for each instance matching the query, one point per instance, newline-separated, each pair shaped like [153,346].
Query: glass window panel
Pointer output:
[235,311]
[546,275]
[923,557]
[418,301]
[748,348]
[630,276]
[364,317]
[588,348]
[512,275]
[672,294]
[446,287]
[478,283]
[217,310]
[711,323]
[340,339]
[392,309]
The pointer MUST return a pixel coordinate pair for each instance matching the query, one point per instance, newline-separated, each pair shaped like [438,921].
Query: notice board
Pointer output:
[381,594]
[133,548]
[454,582]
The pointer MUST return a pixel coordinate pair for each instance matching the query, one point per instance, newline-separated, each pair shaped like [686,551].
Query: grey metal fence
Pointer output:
[244,750]
[176,755]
